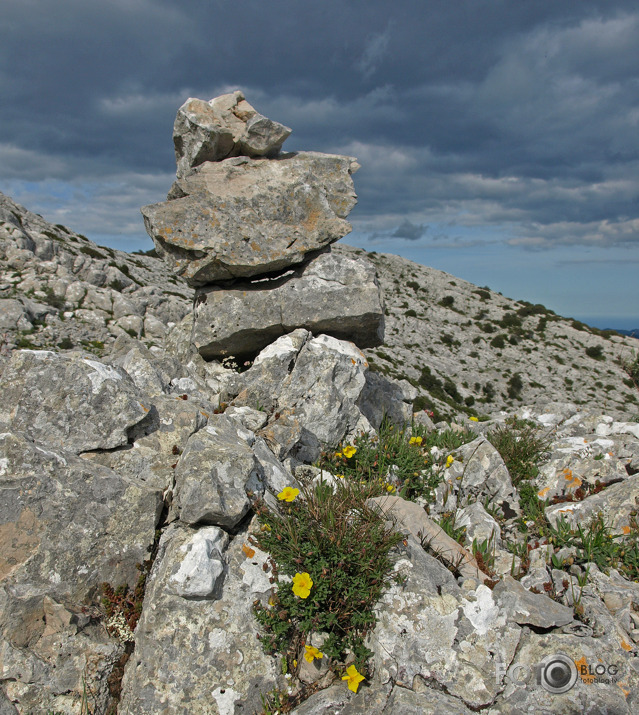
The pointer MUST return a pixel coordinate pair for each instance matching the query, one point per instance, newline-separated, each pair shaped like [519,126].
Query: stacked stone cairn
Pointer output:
[250,228]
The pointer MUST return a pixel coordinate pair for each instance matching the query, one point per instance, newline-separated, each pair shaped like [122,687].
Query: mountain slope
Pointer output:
[464,348]
[487,352]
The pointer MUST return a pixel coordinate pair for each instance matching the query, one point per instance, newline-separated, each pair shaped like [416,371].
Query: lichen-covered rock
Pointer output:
[73,402]
[243,217]
[195,655]
[334,295]
[216,473]
[220,128]
[66,526]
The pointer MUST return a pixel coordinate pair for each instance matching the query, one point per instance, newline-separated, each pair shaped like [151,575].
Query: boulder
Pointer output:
[242,217]
[199,654]
[73,402]
[220,128]
[66,526]
[216,473]
[330,294]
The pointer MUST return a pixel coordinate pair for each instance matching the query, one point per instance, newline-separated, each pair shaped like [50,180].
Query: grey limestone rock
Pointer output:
[215,474]
[220,128]
[198,656]
[243,217]
[66,526]
[72,402]
[330,294]
[526,608]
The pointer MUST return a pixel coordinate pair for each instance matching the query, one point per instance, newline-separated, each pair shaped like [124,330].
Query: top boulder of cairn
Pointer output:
[223,127]
[239,207]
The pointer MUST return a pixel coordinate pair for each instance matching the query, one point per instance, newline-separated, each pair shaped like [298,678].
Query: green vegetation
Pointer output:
[337,552]
[595,352]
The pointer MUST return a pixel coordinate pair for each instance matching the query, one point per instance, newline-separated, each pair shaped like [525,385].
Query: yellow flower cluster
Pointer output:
[415,440]
[349,451]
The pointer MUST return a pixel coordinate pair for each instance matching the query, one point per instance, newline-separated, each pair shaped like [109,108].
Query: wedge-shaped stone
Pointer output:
[243,217]
[331,294]
[72,402]
[222,127]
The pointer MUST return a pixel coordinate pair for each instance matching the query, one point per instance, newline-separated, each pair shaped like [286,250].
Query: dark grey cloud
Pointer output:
[410,231]
[468,115]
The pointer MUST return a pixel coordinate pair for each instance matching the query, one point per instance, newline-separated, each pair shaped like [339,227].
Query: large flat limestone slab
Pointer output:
[242,217]
[332,294]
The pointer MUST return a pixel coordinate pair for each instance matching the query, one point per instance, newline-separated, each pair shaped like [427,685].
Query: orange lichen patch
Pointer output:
[311,221]
[248,551]
[625,646]
[206,414]
[582,669]
[18,541]
[146,409]
[543,492]
[573,482]
[625,692]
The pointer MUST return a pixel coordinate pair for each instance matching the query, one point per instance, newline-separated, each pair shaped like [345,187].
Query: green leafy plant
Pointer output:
[336,550]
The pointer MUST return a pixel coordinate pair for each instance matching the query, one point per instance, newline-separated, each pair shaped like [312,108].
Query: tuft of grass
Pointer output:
[522,446]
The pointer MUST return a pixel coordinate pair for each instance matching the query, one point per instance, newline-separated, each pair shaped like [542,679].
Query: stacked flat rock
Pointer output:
[250,228]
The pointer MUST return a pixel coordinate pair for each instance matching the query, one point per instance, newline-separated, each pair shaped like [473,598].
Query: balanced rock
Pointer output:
[242,217]
[331,294]
[220,128]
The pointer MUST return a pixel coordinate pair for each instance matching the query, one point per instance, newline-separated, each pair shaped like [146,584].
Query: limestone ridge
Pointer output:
[251,227]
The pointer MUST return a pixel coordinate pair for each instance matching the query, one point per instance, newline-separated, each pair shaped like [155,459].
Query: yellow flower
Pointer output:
[312,653]
[288,494]
[337,455]
[415,440]
[450,460]
[340,476]
[302,584]
[295,664]
[353,678]
[474,419]
[349,451]
[390,488]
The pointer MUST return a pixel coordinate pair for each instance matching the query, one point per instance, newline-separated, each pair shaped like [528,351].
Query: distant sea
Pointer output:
[625,326]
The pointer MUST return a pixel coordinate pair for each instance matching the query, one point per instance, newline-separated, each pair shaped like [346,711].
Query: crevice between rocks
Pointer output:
[114,680]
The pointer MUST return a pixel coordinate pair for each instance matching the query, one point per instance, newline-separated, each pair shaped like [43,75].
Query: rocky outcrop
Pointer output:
[233,227]
[244,217]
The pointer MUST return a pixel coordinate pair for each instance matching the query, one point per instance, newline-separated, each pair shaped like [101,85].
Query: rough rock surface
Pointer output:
[75,403]
[444,643]
[330,294]
[244,217]
[220,128]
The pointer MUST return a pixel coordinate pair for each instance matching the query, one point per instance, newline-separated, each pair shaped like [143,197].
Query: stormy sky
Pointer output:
[498,139]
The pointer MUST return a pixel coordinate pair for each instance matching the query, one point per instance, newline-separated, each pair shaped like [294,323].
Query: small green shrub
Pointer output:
[344,547]
[410,313]
[447,301]
[522,446]
[498,342]
[595,352]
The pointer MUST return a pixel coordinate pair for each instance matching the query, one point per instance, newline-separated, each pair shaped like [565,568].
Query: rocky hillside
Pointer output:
[462,347]
[471,347]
